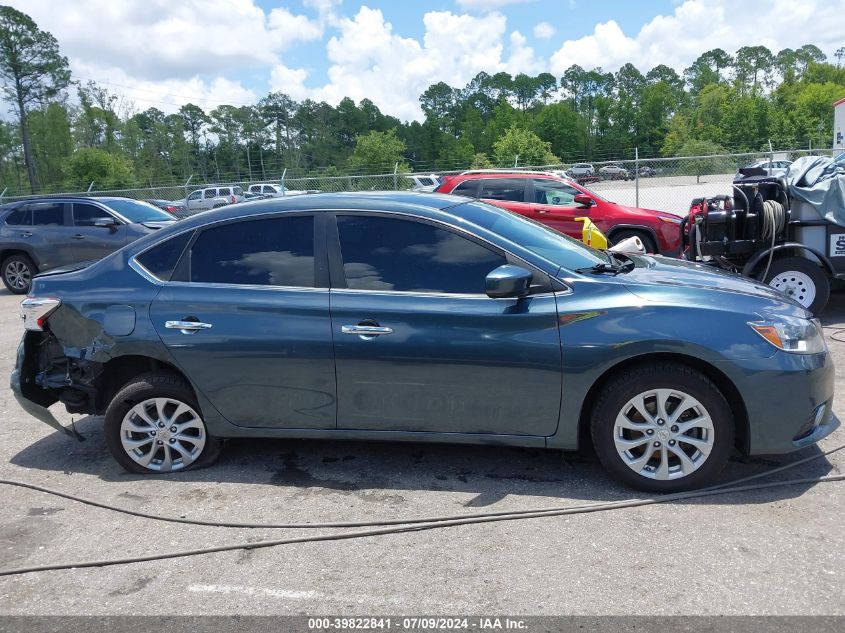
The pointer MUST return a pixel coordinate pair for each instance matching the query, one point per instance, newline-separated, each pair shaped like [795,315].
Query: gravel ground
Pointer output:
[778,551]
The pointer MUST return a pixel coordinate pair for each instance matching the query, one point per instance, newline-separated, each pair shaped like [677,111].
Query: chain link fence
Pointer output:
[666,184]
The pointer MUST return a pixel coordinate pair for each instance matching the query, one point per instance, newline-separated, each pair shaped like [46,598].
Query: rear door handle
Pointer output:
[187,327]
[366,332]
[79,236]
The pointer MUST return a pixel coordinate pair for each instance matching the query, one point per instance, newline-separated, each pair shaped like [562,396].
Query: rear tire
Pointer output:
[662,428]
[18,271]
[801,280]
[153,425]
[648,241]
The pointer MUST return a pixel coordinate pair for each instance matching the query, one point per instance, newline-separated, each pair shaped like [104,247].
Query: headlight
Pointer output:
[663,218]
[798,336]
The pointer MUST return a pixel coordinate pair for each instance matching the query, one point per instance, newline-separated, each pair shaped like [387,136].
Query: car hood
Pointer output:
[688,281]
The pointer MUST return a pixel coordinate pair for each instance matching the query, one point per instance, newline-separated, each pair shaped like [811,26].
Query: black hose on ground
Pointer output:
[408,525]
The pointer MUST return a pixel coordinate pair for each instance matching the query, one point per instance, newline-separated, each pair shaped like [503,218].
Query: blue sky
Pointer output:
[165,53]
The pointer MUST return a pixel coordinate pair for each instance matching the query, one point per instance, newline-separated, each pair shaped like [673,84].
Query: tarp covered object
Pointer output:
[820,182]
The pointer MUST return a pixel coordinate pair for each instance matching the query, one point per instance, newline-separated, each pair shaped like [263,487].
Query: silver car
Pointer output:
[213,198]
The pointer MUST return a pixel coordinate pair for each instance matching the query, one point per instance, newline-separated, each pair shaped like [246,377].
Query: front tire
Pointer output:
[663,428]
[802,280]
[18,271]
[153,426]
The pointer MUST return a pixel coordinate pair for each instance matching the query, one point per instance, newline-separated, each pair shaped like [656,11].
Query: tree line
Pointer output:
[66,134]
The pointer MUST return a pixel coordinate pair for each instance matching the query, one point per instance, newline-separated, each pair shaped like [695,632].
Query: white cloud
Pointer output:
[677,39]
[522,58]
[544,30]
[488,5]
[368,60]
[290,81]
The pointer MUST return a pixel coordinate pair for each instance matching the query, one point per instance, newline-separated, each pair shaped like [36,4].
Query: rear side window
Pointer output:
[87,214]
[401,255]
[20,217]
[238,191]
[209,193]
[224,191]
[506,189]
[48,214]
[468,188]
[272,252]
[161,259]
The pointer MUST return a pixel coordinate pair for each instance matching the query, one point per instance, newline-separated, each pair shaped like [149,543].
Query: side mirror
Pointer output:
[106,223]
[508,281]
[584,200]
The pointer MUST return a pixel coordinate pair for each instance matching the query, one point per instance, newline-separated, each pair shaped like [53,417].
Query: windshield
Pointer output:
[136,211]
[549,244]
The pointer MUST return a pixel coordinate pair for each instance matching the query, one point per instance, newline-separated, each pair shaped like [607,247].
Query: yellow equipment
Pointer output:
[591,235]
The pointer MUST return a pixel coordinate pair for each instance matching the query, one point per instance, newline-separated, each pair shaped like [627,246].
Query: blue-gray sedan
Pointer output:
[414,317]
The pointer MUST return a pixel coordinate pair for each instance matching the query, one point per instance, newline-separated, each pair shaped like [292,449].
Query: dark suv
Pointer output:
[43,233]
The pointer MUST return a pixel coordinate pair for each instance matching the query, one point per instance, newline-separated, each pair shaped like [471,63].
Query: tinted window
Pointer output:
[467,188]
[86,214]
[48,214]
[425,182]
[209,193]
[224,191]
[275,252]
[161,260]
[20,217]
[238,191]
[510,189]
[554,192]
[195,195]
[391,254]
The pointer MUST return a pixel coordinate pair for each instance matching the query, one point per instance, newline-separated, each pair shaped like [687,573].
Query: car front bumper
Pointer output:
[782,396]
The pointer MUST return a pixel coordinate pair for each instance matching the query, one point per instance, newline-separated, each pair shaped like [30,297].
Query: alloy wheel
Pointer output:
[663,434]
[18,275]
[163,434]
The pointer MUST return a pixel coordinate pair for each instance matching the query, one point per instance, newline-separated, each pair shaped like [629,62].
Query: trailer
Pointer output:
[767,230]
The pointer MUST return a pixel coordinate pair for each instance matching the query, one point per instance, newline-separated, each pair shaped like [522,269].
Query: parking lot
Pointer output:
[775,551]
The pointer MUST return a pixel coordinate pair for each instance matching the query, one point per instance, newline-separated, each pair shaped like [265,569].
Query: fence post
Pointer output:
[282,181]
[91,186]
[3,194]
[636,177]
[395,177]
[771,155]
[187,182]
[516,161]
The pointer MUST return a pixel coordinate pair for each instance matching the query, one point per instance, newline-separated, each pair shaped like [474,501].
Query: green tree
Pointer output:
[52,142]
[378,152]
[523,146]
[91,164]
[31,71]
[561,127]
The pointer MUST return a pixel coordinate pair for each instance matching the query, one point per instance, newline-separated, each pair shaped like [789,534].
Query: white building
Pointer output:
[839,126]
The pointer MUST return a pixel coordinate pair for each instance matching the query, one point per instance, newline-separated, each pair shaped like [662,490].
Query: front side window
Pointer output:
[271,252]
[48,214]
[403,255]
[554,192]
[85,214]
[506,189]
[195,195]
[224,191]
[136,210]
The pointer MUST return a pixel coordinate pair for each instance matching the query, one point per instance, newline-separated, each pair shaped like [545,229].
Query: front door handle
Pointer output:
[187,327]
[79,236]
[366,332]
[26,234]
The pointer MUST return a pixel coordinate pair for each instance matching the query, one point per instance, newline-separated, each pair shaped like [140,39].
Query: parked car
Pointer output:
[773,168]
[213,198]
[614,172]
[420,182]
[43,233]
[647,171]
[173,208]
[582,169]
[556,202]
[256,196]
[451,320]
[273,190]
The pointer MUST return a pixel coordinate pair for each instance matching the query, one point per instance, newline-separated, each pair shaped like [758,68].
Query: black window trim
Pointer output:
[338,277]
[526,188]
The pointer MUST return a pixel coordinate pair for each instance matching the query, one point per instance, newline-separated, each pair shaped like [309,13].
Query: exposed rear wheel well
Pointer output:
[16,251]
[724,384]
[119,371]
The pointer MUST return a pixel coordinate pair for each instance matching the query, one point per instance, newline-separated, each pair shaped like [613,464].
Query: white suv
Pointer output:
[213,197]
[273,191]
[582,169]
